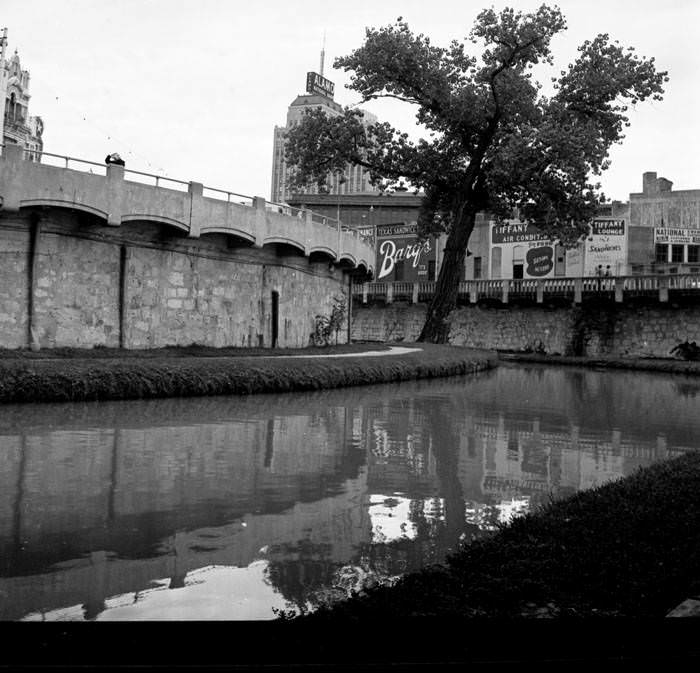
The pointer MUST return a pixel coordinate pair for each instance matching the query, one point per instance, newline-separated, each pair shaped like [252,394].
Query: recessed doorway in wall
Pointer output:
[275,318]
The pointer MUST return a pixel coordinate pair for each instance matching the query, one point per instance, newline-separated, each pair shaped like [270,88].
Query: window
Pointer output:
[477,267]
[677,253]
[661,252]
[431,269]
[496,256]
[398,270]
[693,254]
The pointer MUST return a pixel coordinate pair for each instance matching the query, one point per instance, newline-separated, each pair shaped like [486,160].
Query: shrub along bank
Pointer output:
[74,375]
[628,548]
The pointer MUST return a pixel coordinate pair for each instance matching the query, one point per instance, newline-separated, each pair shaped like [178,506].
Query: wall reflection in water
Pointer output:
[223,508]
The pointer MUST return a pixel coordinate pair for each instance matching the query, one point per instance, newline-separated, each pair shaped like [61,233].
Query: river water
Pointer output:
[232,508]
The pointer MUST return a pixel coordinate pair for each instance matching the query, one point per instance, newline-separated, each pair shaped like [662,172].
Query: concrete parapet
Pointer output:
[117,199]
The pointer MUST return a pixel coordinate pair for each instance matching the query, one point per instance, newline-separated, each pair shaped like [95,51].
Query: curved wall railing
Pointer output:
[575,289]
[119,194]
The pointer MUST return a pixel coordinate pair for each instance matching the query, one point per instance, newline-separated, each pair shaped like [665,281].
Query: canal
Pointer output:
[234,507]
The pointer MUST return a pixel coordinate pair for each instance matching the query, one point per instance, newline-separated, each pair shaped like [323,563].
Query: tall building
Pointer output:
[319,95]
[18,128]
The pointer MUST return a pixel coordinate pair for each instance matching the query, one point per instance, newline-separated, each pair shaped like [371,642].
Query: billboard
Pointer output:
[519,232]
[676,236]
[316,83]
[400,255]
[605,248]
[520,250]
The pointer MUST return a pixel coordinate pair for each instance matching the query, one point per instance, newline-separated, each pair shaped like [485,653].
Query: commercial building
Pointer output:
[318,95]
[656,231]
[391,220]
[664,228]
[18,127]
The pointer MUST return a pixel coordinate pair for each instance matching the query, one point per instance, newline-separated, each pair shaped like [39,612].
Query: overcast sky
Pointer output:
[193,90]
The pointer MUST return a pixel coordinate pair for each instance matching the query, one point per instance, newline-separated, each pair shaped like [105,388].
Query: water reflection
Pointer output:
[224,508]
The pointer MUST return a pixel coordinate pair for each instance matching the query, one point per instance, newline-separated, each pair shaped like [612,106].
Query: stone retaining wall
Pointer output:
[586,330]
[67,280]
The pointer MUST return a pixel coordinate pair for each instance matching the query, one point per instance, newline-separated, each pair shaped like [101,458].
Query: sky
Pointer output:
[193,90]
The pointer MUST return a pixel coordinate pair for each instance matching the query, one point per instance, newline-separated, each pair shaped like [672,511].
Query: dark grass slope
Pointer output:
[629,548]
[77,378]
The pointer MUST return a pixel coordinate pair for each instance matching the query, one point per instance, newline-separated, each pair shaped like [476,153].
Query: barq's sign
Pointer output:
[390,253]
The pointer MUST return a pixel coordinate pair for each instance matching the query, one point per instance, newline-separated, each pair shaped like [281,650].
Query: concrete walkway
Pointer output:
[393,350]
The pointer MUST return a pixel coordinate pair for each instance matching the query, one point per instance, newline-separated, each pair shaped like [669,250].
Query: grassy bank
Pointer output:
[665,365]
[628,548]
[74,375]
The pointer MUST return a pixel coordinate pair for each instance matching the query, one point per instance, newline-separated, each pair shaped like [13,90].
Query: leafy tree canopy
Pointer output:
[494,141]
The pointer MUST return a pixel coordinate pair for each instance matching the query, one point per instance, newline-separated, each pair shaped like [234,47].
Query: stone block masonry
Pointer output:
[14,290]
[594,331]
[68,280]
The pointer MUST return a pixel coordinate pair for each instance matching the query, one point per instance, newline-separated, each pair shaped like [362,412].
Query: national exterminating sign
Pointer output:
[676,236]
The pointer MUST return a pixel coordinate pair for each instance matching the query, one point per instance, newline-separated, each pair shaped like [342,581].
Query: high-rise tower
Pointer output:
[319,94]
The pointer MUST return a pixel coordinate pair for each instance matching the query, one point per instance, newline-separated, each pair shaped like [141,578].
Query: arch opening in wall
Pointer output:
[319,255]
[65,206]
[346,261]
[285,248]
[159,220]
[234,238]
[154,232]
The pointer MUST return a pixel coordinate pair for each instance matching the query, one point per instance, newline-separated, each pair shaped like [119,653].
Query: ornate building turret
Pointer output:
[18,127]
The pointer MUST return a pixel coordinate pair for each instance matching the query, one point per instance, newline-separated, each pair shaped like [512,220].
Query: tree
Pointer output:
[495,142]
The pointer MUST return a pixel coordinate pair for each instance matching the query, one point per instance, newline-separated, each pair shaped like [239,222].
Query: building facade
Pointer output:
[391,220]
[319,95]
[656,231]
[18,127]
[664,228]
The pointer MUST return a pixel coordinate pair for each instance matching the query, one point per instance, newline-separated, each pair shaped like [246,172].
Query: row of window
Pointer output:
[677,254]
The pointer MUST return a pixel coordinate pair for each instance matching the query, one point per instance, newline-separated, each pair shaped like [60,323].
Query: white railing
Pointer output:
[225,195]
[154,180]
[572,288]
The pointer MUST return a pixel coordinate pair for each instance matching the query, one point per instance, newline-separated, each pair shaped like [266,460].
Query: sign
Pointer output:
[367,233]
[515,233]
[398,244]
[316,83]
[605,248]
[387,230]
[409,250]
[522,248]
[676,236]
[540,261]
[608,228]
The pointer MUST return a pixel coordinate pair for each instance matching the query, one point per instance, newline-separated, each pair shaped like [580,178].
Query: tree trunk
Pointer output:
[436,328]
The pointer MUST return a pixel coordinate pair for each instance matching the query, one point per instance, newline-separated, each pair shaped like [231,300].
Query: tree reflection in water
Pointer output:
[99,501]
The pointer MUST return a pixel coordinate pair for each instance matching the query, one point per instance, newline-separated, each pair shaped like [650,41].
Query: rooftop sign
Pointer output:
[316,83]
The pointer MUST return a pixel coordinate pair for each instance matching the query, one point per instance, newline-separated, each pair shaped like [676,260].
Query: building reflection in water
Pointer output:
[211,508]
